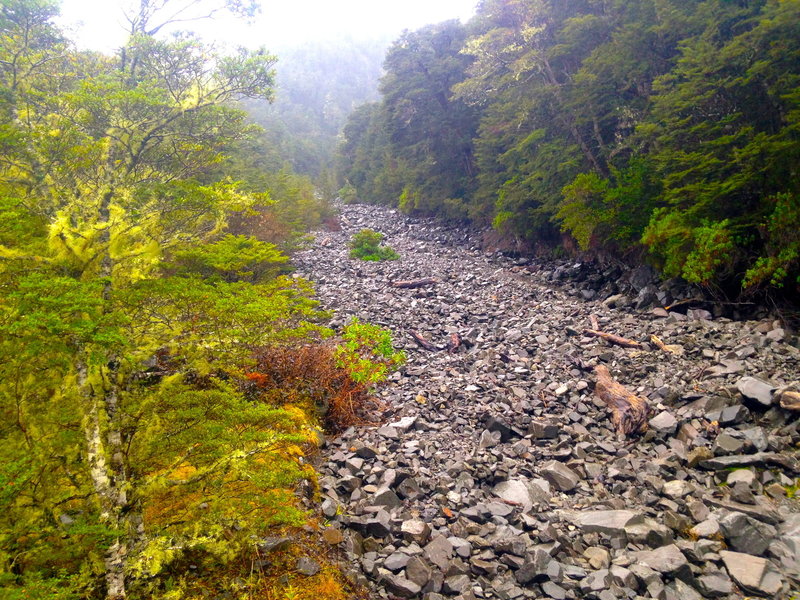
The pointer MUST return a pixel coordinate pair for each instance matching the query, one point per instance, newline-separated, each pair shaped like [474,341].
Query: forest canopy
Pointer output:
[664,127]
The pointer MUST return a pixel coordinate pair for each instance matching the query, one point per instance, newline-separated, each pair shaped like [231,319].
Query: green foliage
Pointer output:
[366,245]
[348,194]
[663,123]
[782,262]
[598,211]
[234,257]
[127,444]
[367,352]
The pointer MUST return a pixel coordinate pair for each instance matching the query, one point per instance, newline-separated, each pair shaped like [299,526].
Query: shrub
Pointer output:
[366,245]
[333,380]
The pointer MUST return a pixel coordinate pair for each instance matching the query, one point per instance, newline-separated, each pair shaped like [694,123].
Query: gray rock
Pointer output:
[727,444]
[677,489]
[668,560]
[786,547]
[535,567]
[756,389]
[714,584]
[678,590]
[745,533]
[721,463]
[415,530]
[409,489]
[439,551]
[489,439]
[516,491]
[664,422]
[386,497]
[456,584]
[403,424]
[596,582]
[559,475]
[753,573]
[554,591]
[307,566]
[418,571]
[396,561]
[650,533]
[401,586]
[379,525]
[499,509]
[609,522]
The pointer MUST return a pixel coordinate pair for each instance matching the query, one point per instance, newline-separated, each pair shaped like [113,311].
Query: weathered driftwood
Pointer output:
[454,344]
[668,348]
[789,400]
[415,283]
[423,342]
[628,411]
[614,339]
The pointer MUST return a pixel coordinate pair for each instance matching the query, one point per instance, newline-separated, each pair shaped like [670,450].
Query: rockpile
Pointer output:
[498,474]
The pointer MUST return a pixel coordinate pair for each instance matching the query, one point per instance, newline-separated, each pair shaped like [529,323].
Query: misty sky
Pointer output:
[282,22]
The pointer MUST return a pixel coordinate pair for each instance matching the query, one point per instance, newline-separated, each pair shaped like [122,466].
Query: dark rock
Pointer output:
[535,568]
[746,534]
[418,571]
[401,586]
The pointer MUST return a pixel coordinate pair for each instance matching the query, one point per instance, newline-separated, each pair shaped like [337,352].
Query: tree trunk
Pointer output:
[415,283]
[628,411]
[109,480]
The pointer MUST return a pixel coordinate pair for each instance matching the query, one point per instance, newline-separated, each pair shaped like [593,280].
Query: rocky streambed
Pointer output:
[497,472]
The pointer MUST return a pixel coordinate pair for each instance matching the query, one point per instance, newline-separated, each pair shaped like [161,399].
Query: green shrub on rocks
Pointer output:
[366,245]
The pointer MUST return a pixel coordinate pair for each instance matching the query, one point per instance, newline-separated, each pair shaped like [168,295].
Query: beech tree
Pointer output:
[125,440]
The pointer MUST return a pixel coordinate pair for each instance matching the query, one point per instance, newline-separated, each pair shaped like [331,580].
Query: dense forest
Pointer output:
[650,129]
[162,374]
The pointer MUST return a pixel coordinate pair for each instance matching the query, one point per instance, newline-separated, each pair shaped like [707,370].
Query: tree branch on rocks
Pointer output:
[668,348]
[415,283]
[423,342]
[613,339]
[628,411]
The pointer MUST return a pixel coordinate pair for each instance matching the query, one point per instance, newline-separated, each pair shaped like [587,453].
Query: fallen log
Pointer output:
[668,348]
[789,400]
[455,343]
[628,411]
[614,339]
[415,283]
[423,342]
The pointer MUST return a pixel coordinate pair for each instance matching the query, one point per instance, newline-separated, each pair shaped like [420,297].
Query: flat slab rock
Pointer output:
[609,522]
[753,573]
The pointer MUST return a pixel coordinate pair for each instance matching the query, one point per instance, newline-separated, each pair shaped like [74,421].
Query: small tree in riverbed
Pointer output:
[366,245]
